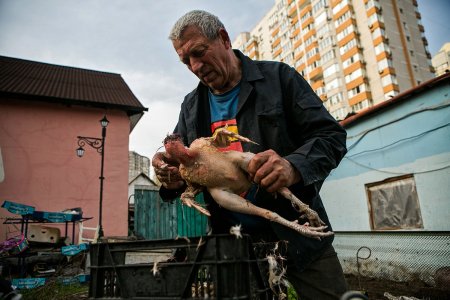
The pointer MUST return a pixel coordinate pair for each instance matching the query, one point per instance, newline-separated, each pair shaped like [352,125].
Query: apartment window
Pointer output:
[394,204]
[357,57]
[356,90]
[330,70]
[346,31]
[310,40]
[343,18]
[319,5]
[323,30]
[312,52]
[340,6]
[384,63]
[333,84]
[321,18]
[305,16]
[326,42]
[336,98]
[352,43]
[352,76]
[372,3]
[388,80]
[375,18]
[277,47]
[382,47]
[339,114]
[329,55]
[377,32]
[320,91]
[361,105]
[307,29]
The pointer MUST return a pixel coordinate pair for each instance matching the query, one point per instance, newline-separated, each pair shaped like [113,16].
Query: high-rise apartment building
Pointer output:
[137,164]
[354,53]
[441,61]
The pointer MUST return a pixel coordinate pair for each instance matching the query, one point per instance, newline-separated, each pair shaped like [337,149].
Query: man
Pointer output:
[299,143]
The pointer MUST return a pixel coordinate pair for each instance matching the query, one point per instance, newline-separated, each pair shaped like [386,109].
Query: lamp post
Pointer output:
[99,145]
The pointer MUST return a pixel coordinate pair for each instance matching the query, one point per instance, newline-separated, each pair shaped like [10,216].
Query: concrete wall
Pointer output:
[38,143]
[427,156]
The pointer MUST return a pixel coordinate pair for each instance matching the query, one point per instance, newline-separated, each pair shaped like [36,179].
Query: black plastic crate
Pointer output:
[213,267]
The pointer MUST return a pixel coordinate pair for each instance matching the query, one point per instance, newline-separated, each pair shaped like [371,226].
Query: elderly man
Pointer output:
[298,144]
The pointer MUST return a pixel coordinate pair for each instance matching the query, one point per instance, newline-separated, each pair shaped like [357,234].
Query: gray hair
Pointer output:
[208,24]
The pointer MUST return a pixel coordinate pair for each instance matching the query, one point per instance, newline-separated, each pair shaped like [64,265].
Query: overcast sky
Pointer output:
[130,38]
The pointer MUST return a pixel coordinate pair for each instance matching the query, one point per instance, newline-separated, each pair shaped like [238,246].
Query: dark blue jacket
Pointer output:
[278,110]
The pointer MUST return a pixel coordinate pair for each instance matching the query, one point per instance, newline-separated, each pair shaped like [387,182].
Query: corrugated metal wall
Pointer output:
[156,219]
[396,255]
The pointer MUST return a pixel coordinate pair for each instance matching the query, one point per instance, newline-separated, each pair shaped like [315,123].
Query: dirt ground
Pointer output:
[375,288]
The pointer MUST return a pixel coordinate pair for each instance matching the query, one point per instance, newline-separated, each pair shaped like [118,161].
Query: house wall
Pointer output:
[38,143]
[427,156]
[140,181]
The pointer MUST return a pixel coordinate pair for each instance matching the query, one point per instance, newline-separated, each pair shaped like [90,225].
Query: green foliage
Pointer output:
[291,293]
[56,291]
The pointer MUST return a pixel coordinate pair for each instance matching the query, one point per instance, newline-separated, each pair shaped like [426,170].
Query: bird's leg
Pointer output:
[188,198]
[302,208]
[236,203]
[222,137]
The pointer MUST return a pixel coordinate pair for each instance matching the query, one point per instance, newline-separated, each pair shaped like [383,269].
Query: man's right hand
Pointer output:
[166,172]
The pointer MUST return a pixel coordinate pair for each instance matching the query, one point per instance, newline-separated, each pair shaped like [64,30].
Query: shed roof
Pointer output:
[351,120]
[39,81]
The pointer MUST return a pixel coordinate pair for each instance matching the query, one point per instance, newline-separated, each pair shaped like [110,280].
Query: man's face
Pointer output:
[207,59]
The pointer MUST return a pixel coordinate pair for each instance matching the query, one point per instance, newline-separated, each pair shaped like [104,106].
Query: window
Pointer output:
[324,43]
[320,18]
[328,56]
[340,6]
[361,105]
[318,5]
[354,75]
[394,204]
[333,84]
[312,52]
[323,30]
[339,114]
[345,32]
[336,98]
[343,18]
[334,68]
[356,90]
[306,16]
[389,79]
[352,43]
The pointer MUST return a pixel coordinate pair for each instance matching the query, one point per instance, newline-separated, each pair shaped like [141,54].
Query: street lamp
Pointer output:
[99,145]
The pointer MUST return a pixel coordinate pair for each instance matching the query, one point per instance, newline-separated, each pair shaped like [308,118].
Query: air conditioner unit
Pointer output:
[380,71]
[370,26]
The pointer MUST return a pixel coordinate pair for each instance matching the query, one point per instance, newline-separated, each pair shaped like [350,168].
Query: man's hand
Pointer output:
[272,172]
[166,172]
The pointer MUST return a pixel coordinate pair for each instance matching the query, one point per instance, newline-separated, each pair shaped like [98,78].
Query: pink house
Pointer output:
[43,108]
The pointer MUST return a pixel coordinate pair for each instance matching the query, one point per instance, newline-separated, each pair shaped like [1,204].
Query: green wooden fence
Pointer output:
[156,219]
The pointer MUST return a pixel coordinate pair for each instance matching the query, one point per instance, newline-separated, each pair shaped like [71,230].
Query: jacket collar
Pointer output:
[250,71]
